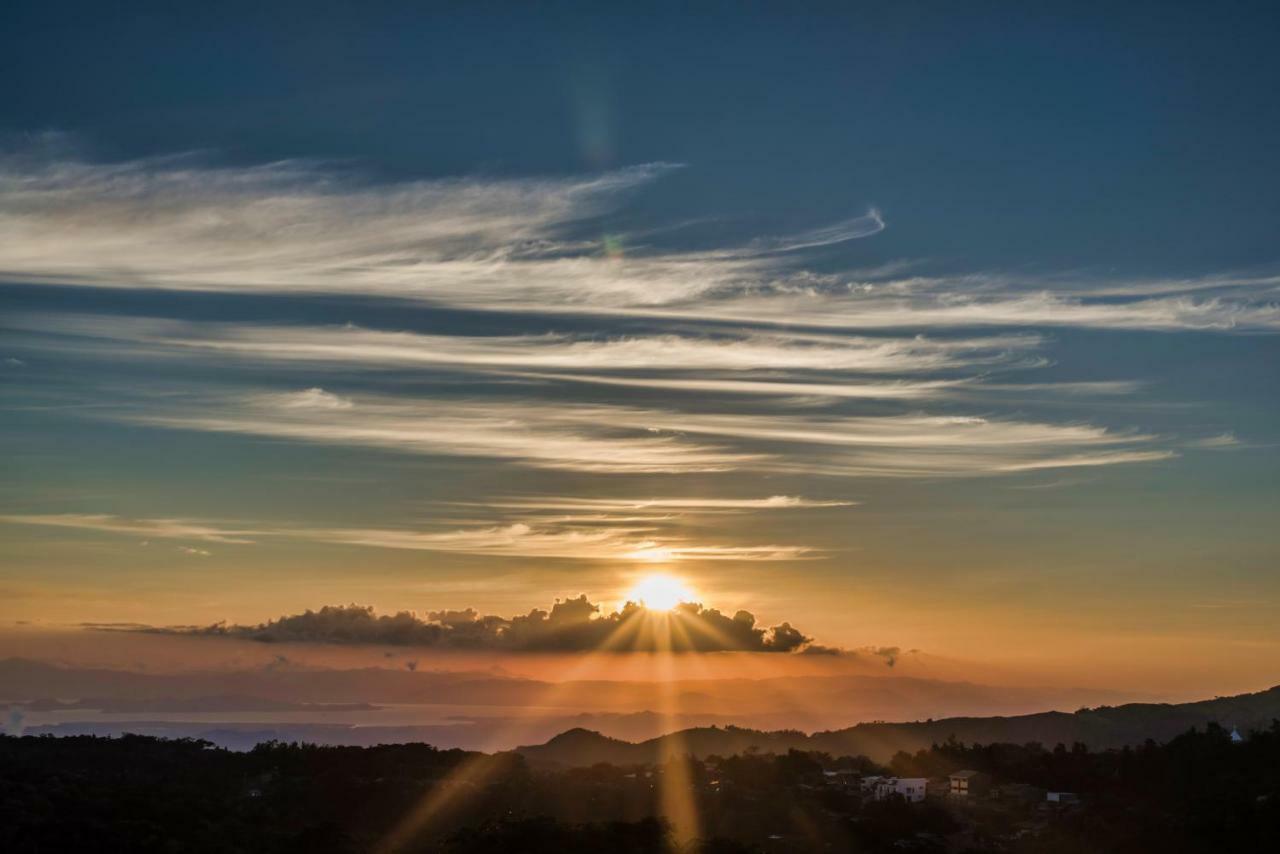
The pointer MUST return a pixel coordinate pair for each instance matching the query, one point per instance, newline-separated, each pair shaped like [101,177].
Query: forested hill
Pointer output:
[1099,728]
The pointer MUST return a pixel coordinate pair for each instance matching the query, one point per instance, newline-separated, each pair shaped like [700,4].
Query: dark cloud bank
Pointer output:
[572,625]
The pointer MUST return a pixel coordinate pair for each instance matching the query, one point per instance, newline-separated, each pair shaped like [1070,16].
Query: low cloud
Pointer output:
[570,625]
[888,654]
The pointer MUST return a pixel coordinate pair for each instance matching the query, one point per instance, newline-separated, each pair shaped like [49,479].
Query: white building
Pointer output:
[911,788]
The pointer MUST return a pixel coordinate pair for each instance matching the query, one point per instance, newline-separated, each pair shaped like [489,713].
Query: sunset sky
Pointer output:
[952,331]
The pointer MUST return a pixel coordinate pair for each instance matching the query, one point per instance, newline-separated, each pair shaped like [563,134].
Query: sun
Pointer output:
[660,592]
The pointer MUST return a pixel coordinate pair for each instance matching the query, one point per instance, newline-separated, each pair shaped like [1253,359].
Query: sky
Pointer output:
[936,327]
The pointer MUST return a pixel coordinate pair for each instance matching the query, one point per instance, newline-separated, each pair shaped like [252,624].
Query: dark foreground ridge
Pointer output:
[1211,788]
[1204,791]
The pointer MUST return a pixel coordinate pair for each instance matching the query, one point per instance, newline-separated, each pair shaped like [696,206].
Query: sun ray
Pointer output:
[677,793]
[472,774]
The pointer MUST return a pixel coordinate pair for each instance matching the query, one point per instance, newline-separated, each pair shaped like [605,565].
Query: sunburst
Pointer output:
[660,592]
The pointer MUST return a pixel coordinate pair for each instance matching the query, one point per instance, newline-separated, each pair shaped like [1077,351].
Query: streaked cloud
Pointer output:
[625,439]
[867,309]
[909,445]
[177,529]
[614,357]
[518,245]
[696,505]
[851,229]
[355,347]
[577,543]
[527,432]
[295,227]
[1222,441]
[559,539]
[176,223]
[891,390]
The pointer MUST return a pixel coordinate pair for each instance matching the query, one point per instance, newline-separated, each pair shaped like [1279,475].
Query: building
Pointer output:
[911,788]
[869,784]
[967,783]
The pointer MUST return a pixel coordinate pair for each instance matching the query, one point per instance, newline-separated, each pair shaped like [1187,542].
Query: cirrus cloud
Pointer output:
[627,439]
[181,529]
[517,244]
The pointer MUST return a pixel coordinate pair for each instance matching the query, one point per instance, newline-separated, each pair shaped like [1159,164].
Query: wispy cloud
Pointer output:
[528,432]
[355,347]
[312,398]
[910,445]
[622,439]
[1222,441]
[623,505]
[521,245]
[889,390]
[523,540]
[561,539]
[294,227]
[177,529]
[851,229]
[760,365]
[857,308]
[173,222]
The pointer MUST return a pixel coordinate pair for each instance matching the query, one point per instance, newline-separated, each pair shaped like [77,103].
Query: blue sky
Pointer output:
[930,323]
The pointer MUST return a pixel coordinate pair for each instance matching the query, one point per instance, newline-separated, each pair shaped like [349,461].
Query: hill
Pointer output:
[1099,728]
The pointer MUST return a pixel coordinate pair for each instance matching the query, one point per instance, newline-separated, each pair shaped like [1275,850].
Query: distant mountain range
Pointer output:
[597,720]
[806,701]
[474,709]
[1099,728]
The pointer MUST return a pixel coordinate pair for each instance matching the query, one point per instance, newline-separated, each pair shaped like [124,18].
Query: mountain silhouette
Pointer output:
[1098,728]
